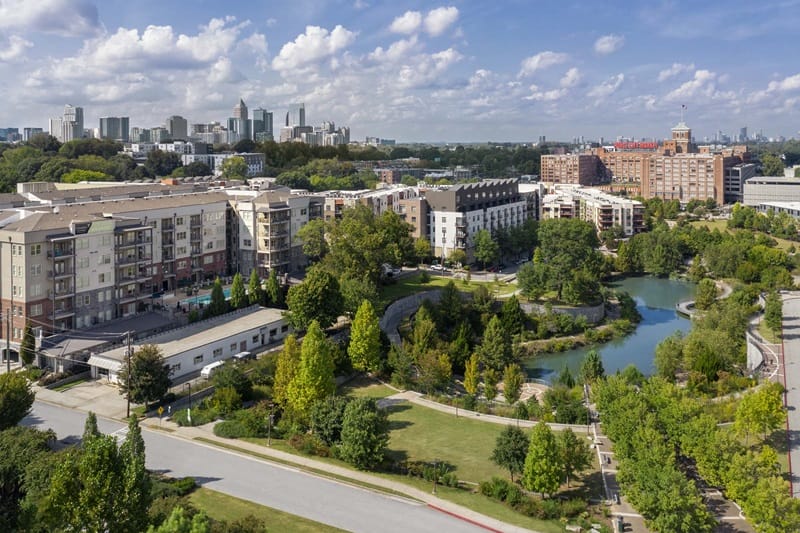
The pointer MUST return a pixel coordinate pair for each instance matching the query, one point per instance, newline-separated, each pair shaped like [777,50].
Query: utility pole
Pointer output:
[128,377]
[8,342]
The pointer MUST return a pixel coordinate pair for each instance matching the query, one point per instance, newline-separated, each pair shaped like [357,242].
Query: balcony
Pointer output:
[195,222]
[60,273]
[61,252]
[63,311]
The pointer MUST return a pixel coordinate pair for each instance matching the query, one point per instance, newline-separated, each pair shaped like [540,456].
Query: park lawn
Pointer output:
[364,386]
[220,506]
[767,333]
[412,285]
[722,225]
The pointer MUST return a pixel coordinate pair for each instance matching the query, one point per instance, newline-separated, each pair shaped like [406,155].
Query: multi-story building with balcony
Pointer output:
[603,210]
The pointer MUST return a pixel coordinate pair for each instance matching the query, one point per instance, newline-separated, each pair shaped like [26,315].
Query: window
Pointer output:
[255,340]
[16,271]
[210,245]
[181,264]
[36,310]
[17,310]
[233,347]
[83,262]
[208,259]
[101,278]
[175,368]
[181,250]
[273,332]
[16,290]
[108,314]
[198,359]
[100,297]
[104,259]
[284,328]
[248,242]
[217,352]
[181,235]
[36,270]
[17,333]
[36,249]
[82,244]
[84,300]
[105,240]
[179,222]
[35,289]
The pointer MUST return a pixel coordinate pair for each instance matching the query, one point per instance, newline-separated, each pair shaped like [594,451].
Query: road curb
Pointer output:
[463,518]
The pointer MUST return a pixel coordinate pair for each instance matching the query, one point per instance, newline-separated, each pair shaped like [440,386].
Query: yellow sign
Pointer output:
[160,410]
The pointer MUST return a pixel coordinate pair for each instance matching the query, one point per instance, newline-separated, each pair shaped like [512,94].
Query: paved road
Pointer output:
[339,505]
[791,355]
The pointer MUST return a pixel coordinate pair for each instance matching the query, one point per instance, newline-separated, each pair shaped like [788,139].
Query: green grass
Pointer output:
[363,386]
[412,284]
[223,507]
[769,335]
[722,225]
[67,386]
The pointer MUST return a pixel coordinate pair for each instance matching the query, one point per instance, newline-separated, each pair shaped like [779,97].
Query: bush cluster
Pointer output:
[512,495]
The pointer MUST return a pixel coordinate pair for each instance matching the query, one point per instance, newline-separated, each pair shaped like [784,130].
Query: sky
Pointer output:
[469,71]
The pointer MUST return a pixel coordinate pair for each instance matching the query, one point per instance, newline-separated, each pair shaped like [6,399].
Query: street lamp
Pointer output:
[435,475]
[269,425]
[188,385]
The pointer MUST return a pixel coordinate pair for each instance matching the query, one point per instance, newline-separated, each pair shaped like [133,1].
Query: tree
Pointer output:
[771,165]
[565,378]
[457,256]
[422,249]
[244,146]
[592,367]
[575,454]
[365,339]
[148,378]
[285,369]
[472,375]
[16,399]
[327,417]
[160,163]
[567,245]
[317,299]
[668,357]
[511,449]
[314,379]
[136,483]
[706,294]
[513,379]
[543,468]
[179,521]
[354,291]
[217,306]
[27,348]
[486,249]
[255,292]
[490,380]
[312,235]
[532,279]
[495,348]
[233,376]
[234,168]
[274,291]
[512,316]
[365,434]
[238,295]
[761,411]
[773,312]
[423,336]
[460,349]
[197,168]
[435,371]
[24,450]
[90,426]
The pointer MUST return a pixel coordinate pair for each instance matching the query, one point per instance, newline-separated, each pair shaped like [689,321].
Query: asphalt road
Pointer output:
[340,505]
[791,356]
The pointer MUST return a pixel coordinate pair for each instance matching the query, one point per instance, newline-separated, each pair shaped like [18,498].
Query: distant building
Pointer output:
[177,127]
[577,169]
[255,161]
[69,126]
[239,126]
[603,210]
[27,133]
[115,128]
[770,189]
[296,115]
[262,125]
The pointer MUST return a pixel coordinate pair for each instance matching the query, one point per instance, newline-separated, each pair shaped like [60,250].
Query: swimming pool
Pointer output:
[204,299]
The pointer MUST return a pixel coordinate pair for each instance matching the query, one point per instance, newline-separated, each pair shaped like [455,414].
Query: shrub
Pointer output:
[309,444]
[497,488]
[226,400]
[515,496]
[231,429]
[200,417]
[573,507]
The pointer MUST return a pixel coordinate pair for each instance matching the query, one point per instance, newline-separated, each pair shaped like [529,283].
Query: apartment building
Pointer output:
[603,210]
[577,169]
[255,161]
[686,177]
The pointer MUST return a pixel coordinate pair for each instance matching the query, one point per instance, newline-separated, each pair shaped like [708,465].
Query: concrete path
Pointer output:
[791,377]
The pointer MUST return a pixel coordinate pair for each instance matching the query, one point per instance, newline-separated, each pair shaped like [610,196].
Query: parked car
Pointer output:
[437,266]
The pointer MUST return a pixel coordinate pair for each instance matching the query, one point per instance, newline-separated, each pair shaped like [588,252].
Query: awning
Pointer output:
[102,362]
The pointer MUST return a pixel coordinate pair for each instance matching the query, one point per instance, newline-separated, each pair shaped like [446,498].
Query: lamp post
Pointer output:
[435,475]
[188,385]
[269,424]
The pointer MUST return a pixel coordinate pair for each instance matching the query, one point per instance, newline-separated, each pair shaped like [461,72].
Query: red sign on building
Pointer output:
[635,145]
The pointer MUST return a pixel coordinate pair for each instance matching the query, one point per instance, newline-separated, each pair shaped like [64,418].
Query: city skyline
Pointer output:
[414,71]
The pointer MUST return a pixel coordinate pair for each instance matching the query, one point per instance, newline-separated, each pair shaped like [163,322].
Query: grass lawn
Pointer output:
[363,386]
[722,225]
[67,386]
[412,284]
[223,507]
[767,333]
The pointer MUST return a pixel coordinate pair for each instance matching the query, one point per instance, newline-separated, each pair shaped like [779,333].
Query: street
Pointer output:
[337,504]
[791,354]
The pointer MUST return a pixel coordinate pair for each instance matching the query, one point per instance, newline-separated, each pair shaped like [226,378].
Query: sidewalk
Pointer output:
[206,433]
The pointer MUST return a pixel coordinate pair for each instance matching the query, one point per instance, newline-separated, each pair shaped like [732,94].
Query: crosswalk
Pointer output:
[120,434]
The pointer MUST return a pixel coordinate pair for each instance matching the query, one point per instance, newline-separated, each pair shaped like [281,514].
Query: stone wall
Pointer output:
[593,314]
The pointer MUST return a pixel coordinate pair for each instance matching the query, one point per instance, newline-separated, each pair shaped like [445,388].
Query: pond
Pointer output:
[655,300]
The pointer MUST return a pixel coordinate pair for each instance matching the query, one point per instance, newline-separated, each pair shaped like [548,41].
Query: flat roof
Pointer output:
[774,179]
[177,341]
[782,205]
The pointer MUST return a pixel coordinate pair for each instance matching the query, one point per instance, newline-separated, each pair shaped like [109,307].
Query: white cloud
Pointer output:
[257,42]
[360,4]
[702,84]
[607,88]
[315,44]
[540,61]
[570,78]
[223,71]
[546,96]
[397,51]
[14,49]
[407,23]
[424,68]
[61,17]
[792,83]
[608,44]
[439,19]
[674,70]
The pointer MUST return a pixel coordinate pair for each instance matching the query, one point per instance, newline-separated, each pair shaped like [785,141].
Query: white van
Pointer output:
[209,369]
[242,356]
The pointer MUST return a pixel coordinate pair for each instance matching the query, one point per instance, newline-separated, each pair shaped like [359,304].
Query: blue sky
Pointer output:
[503,70]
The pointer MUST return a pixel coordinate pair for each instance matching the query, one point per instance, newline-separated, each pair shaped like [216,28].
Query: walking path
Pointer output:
[791,381]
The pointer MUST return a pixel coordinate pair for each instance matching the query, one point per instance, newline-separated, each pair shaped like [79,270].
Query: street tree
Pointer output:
[147,380]
[591,367]
[773,312]
[575,454]
[422,249]
[179,521]
[27,348]
[365,434]
[233,376]
[490,380]
[217,306]
[314,379]
[312,235]
[317,298]
[255,292]
[513,379]
[495,348]
[234,168]
[771,165]
[486,249]
[365,339]
[706,294]
[457,256]
[136,482]
[434,371]
[326,419]
[472,375]
[543,468]
[285,369]
[668,356]
[511,449]
[238,295]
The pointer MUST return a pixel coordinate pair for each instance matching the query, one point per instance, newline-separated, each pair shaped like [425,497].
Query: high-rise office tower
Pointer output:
[115,128]
[296,116]
[262,125]
[178,128]
[72,123]
[239,126]
[240,110]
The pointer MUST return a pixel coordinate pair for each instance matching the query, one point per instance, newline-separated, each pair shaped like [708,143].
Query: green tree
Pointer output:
[238,295]
[511,449]
[495,349]
[16,399]
[217,306]
[565,378]
[422,249]
[543,468]
[513,379]
[179,521]
[255,292]
[23,450]
[567,245]
[575,454]
[160,163]
[354,291]
[490,380]
[285,369]
[136,483]
[486,248]
[771,165]
[592,367]
[532,279]
[512,316]
[312,234]
[760,412]
[365,339]
[314,379]
[79,175]
[435,371]
[147,380]
[274,291]
[668,357]
[234,376]
[423,336]
[327,417]
[706,294]
[457,256]
[27,348]
[317,298]
[365,434]
[472,375]
[234,168]
[773,312]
